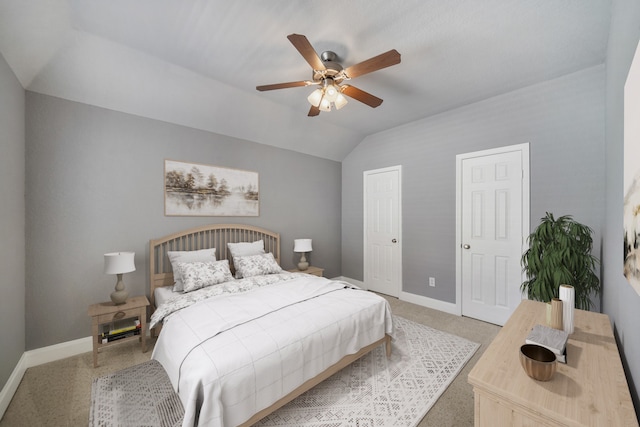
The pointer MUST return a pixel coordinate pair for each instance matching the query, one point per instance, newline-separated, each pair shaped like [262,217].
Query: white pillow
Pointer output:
[256,265]
[246,249]
[197,275]
[202,255]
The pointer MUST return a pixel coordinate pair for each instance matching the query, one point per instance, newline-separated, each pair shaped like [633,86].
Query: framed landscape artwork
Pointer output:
[193,189]
[632,174]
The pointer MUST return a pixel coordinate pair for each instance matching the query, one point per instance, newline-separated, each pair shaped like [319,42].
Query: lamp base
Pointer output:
[119,295]
[303,264]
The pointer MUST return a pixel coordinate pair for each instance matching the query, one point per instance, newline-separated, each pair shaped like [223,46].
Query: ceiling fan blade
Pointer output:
[362,96]
[307,51]
[383,60]
[284,85]
[313,111]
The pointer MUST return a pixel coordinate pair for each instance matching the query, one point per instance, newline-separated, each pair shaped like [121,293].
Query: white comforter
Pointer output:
[232,355]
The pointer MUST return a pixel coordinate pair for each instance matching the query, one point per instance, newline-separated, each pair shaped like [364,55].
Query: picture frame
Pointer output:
[195,189]
[631,179]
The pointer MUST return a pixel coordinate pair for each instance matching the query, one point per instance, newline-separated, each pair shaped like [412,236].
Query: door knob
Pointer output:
[466,246]
[394,241]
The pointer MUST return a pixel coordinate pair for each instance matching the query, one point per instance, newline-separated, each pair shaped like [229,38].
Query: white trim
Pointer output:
[355,282]
[58,351]
[365,174]
[421,300]
[38,357]
[12,384]
[526,212]
[435,304]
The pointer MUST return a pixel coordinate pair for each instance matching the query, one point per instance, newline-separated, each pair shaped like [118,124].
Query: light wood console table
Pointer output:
[589,390]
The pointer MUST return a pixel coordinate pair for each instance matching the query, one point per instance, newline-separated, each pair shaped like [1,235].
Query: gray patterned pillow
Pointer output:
[256,265]
[198,275]
[202,255]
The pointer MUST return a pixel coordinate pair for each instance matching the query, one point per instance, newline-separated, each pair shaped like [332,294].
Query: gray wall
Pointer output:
[562,119]
[12,227]
[620,301]
[95,184]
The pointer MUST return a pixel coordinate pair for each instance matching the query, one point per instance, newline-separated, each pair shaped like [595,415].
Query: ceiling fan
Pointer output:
[329,74]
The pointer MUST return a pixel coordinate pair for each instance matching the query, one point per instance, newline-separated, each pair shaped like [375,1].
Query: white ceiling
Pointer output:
[197,62]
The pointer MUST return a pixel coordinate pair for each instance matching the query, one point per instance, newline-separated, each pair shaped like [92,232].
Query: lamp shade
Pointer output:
[119,262]
[325,105]
[315,97]
[302,245]
[340,101]
[331,92]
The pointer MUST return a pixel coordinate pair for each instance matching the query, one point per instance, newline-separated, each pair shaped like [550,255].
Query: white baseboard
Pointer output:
[435,304]
[355,282]
[38,357]
[58,351]
[12,384]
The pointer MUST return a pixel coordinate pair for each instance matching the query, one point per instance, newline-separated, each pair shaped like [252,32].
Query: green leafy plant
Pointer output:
[560,253]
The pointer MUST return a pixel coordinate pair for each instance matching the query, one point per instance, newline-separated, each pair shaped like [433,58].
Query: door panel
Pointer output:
[382,265]
[491,233]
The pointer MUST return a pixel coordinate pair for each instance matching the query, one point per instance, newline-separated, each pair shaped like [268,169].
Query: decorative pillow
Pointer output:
[202,255]
[246,249]
[256,265]
[197,275]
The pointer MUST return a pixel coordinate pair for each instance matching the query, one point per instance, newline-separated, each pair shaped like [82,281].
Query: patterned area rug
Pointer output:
[375,391]
[137,396]
[371,392]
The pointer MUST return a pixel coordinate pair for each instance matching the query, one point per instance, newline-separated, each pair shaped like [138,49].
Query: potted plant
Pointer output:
[560,253]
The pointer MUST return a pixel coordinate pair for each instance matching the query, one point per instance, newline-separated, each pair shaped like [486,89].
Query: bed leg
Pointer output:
[387,343]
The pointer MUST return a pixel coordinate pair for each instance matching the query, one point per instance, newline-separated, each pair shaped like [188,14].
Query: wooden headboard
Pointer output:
[204,237]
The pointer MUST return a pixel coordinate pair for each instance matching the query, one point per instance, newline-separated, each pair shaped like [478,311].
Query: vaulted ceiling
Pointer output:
[197,62]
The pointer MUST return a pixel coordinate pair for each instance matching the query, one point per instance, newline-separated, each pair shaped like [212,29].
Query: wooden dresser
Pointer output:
[589,390]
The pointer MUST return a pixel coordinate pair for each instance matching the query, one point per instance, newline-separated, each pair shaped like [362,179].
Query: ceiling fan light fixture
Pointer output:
[331,92]
[329,74]
[325,104]
[315,97]
[340,101]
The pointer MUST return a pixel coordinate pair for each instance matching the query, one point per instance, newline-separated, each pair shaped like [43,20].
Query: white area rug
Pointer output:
[138,396]
[379,392]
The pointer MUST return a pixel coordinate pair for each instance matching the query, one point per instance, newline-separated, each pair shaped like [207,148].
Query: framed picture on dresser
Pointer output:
[194,189]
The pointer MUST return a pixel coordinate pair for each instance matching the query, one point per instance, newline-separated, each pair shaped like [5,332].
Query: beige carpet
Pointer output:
[59,393]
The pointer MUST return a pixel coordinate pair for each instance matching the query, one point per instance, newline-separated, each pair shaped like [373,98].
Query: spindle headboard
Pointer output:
[204,237]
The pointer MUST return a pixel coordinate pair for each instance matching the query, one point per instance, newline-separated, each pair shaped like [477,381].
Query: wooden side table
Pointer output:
[316,271]
[107,312]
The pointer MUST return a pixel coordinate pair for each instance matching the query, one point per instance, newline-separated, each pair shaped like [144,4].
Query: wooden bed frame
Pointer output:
[204,237]
[217,236]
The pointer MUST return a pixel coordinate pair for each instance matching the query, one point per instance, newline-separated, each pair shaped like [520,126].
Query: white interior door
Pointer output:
[492,231]
[382,246]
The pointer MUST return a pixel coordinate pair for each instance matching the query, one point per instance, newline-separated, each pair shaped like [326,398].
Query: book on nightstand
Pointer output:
[550,338]
[119,330]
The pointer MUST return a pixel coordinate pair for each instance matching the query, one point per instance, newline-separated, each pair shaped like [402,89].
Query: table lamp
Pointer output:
[303,246]
[119,263]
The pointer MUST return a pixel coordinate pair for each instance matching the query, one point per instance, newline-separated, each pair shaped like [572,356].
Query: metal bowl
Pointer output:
[538,362]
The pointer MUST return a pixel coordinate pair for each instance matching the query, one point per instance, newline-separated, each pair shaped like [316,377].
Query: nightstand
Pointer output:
[316,271]
[106,313]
